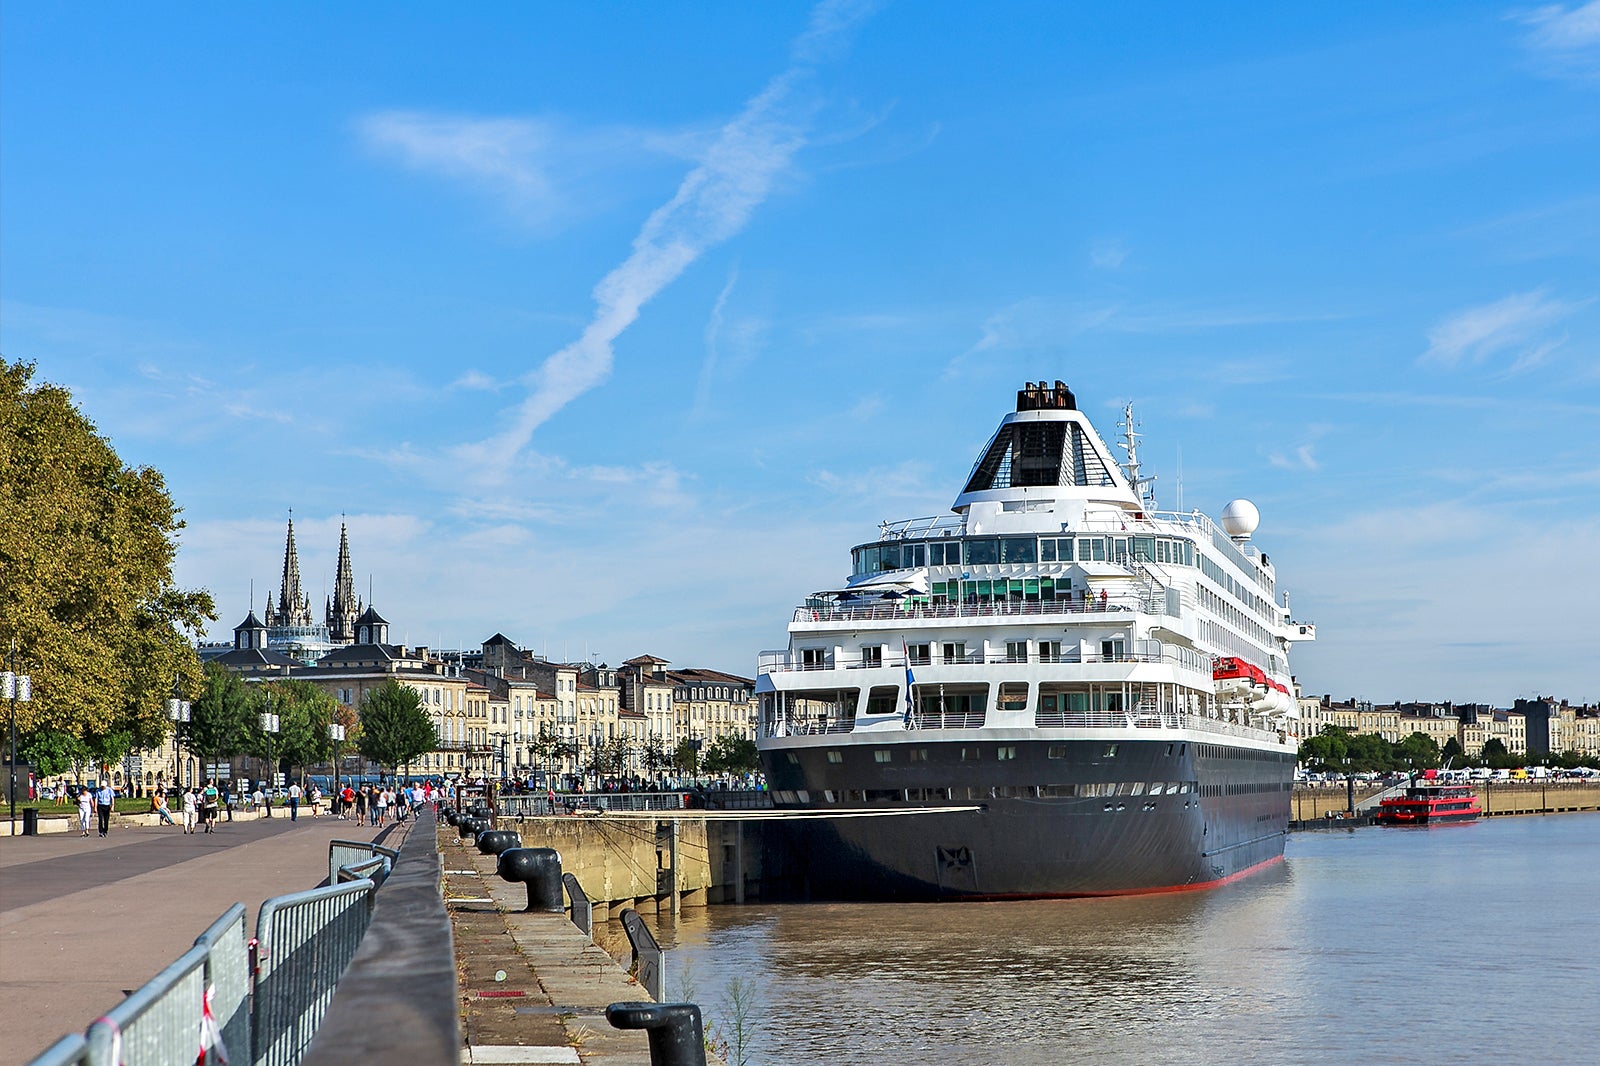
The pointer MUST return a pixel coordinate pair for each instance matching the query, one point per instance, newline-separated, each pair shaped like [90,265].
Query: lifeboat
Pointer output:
[1237,679]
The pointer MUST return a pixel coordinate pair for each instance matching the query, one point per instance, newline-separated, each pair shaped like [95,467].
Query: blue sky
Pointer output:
[613,326]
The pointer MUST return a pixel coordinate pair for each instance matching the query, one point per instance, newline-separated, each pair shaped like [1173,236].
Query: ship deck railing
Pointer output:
[910,608]
[920,721]
[777,662]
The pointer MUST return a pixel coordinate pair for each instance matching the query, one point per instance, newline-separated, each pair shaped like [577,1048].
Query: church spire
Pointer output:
[293,609]
[345,608]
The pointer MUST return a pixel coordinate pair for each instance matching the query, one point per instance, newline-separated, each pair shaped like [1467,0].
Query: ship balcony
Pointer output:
[913,609]
[1149,651]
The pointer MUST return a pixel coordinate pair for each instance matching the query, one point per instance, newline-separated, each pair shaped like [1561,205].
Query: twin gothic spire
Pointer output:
[294,609]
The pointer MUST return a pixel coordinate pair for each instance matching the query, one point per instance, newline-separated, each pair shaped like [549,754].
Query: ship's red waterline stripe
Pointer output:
[1164,889]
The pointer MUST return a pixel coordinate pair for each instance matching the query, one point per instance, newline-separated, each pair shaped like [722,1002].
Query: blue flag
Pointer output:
[911,703]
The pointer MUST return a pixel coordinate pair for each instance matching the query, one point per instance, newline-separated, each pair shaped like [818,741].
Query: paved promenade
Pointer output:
[83,921]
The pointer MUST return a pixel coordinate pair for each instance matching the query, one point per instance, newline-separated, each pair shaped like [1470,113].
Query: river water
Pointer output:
[1452,943]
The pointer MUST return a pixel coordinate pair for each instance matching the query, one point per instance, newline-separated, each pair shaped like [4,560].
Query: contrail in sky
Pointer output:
[713,203]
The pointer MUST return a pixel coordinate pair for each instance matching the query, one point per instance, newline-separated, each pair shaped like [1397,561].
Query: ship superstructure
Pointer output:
[1105,685]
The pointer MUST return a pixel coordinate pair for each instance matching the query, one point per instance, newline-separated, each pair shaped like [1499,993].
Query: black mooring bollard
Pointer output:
[498,841]
[463,828]
[540,870]
[673,1029]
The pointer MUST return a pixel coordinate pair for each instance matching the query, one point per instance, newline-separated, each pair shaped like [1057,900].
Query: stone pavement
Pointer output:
[83,921]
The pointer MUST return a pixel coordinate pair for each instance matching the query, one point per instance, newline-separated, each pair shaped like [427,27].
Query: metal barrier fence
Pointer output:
[346,852]
[70,1050]
[160,1023]
[228,977]
[303,944]
[375,869]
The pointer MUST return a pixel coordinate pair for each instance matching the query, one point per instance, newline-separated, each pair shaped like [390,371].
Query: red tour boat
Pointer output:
[1429,803]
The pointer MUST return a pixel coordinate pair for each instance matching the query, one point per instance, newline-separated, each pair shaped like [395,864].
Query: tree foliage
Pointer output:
[729,754]
[86,550]
[304,712]
[394,727]
[224,717]
[686,756]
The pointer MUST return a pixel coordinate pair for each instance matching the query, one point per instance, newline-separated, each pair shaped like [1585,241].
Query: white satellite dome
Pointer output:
[1240,518]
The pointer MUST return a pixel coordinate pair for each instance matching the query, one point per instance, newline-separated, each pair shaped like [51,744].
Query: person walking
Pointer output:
[85,809]
[190,802]
[381,808]
[347,803]
[316,801]
[208,804]
[294,801]
[104,798]
[361,805]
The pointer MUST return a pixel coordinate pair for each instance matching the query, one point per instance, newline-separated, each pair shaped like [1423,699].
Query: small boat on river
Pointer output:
[1429,804]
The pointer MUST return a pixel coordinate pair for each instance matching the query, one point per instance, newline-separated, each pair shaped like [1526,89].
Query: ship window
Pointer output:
[917,654]
[1056,751]
[871,655]
[1169,751]
[919,754]
[856,795]
[881,755]
[1049,651]
[1158,788]
[1016,652]
[1138,789]
[971,754]
[829,796]
[1144,548]
[1005,752]
[794,760]
[836,756]
[876,795]
[1110,752]
[1019,550]
[980,552]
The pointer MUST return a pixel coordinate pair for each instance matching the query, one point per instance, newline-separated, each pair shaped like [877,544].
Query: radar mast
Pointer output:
[1142,486]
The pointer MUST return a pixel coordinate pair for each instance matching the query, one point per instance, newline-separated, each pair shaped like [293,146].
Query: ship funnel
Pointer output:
[1044,397]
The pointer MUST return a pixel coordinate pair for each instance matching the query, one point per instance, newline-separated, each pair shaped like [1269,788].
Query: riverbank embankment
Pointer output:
[1497,798]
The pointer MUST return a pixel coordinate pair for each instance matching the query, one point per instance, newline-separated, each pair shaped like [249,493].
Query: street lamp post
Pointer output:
[269,726]
[17,687]
[336,734]
[178,712]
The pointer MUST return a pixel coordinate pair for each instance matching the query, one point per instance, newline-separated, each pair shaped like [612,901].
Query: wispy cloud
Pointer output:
[533,168]
[1108,255]
[1512,326]
[475,380]
[708,366]
[1299,459]
[712,204]
[1567,39]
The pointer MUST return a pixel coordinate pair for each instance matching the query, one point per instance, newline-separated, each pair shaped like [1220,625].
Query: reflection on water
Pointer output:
[1374,946]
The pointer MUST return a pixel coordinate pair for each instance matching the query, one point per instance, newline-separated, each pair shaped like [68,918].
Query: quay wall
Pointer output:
[1496,798]
[628,862]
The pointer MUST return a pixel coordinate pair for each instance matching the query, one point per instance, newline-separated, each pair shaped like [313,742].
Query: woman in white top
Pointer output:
[191,806]
[85,810]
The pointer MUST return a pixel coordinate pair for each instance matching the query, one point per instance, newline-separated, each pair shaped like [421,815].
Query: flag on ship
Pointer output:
[910,703]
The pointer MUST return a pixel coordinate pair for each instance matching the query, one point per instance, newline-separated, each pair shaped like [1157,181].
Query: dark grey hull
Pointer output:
[1053,818]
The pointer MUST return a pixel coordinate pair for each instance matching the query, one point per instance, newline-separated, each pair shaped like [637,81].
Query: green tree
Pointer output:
[613,757]
[654,755]
[394,727]
[1496,757]
[1451,754]
[304,712]
[86,550]
[1417,752]
[224,717]
[686,756]
[1328,750]
[729,754]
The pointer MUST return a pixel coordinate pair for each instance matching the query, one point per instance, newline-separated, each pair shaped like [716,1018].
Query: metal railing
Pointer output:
[228,977]
[160,1023]
[261,1000]
[303,944]
[903,609]
[349,852]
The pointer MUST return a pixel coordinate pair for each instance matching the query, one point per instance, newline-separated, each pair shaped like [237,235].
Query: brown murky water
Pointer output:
[1384,945]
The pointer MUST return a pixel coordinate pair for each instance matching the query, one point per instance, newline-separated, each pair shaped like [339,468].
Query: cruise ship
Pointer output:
[1054,690]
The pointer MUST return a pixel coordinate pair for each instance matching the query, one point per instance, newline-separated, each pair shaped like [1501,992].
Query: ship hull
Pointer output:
[1052,818]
